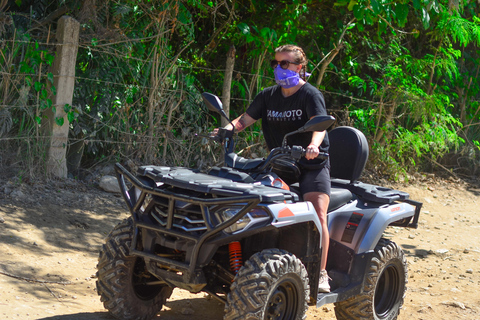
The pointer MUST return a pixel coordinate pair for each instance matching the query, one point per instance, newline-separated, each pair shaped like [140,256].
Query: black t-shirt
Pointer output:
[281,115]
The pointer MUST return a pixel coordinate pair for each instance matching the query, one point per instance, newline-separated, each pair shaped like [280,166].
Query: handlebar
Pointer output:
[294,152]
[320,156]
[225,137]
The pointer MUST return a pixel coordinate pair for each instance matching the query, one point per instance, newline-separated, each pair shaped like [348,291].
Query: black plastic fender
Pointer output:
[359,225]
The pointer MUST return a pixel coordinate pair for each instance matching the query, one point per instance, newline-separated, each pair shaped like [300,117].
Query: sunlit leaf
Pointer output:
[375,6]
[352,4]
[401,11]
[71,116]
[358,12]
[244,28]
[38,86]
[59,121]
[425,18]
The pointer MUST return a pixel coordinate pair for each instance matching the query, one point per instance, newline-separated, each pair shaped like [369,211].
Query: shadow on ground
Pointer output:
[175,310]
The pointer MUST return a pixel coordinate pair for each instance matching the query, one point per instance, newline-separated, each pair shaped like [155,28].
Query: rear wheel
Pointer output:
[273,284]
[384,288]
[127,289]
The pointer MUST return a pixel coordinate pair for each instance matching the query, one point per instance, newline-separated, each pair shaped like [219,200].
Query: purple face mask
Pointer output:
[286,78]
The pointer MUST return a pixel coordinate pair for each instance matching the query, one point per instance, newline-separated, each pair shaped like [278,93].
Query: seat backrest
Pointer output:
[348,153]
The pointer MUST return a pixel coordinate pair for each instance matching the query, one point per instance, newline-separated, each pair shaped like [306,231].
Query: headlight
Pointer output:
[251,218]
[148,199]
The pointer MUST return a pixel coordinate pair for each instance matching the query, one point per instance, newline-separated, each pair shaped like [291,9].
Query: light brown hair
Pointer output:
[299,56]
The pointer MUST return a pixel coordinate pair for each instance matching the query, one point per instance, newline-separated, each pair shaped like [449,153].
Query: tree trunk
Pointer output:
[255,83]
[326,63]
[227,83]
[63,80]
[152,103]
[75,153]
[389,123]
[430,87]
[331,55]
[378,132]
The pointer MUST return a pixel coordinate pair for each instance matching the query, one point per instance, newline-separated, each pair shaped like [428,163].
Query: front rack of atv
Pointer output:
[184,272]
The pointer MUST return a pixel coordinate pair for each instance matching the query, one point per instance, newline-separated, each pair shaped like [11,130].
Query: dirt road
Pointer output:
[50,236]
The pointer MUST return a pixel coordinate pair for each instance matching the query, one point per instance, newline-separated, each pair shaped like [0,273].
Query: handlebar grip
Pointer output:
[220,136]
[210,136]
[321,155]
[225,133]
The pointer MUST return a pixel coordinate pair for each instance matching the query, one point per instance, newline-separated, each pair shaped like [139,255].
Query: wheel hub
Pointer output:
[387,291]
[282,303]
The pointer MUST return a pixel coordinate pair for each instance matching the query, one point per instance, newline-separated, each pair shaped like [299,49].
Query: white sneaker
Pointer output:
[323,286]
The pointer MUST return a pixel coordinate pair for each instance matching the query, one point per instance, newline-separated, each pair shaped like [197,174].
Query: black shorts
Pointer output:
[317,180]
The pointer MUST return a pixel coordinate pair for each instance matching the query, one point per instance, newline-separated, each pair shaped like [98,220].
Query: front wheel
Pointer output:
[128,291]
[384,288]
[273,284]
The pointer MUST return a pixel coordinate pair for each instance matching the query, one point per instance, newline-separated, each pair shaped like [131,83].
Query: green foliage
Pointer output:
[364,119]
[405,73]
[26,83]
[141,95]
[409,148]
[34,60]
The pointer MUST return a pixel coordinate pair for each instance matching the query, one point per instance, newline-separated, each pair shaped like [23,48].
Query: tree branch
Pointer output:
[33,280]
[51,17]
[331,55]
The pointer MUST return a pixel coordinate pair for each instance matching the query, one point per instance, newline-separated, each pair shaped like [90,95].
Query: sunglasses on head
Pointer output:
[284,64]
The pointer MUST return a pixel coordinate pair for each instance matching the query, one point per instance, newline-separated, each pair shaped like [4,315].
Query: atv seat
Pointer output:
[339,197]
[232,160]
[348,156]
[348,153]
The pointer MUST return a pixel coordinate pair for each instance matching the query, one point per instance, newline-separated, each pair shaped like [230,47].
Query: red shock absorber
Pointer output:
[235,251]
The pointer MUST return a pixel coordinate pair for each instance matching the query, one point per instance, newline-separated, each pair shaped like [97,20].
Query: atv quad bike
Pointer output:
[242,235]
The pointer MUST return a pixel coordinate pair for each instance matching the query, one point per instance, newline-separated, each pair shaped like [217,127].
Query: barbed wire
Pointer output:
[180,66]
[108,50]
[76,140]
[173,90]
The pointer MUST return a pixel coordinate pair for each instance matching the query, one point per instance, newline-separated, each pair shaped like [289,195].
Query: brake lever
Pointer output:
[215,138]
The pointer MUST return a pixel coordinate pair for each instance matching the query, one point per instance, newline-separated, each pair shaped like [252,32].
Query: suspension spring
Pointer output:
[235,251]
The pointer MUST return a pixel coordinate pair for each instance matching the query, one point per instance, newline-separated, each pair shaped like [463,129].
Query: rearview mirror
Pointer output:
[317,123]
[214,104]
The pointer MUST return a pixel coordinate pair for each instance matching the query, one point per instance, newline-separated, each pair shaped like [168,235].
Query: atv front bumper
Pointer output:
[176,230]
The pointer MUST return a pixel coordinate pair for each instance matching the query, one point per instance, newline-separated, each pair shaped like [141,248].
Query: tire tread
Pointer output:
[361,306]
[249,292]
[115,267]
